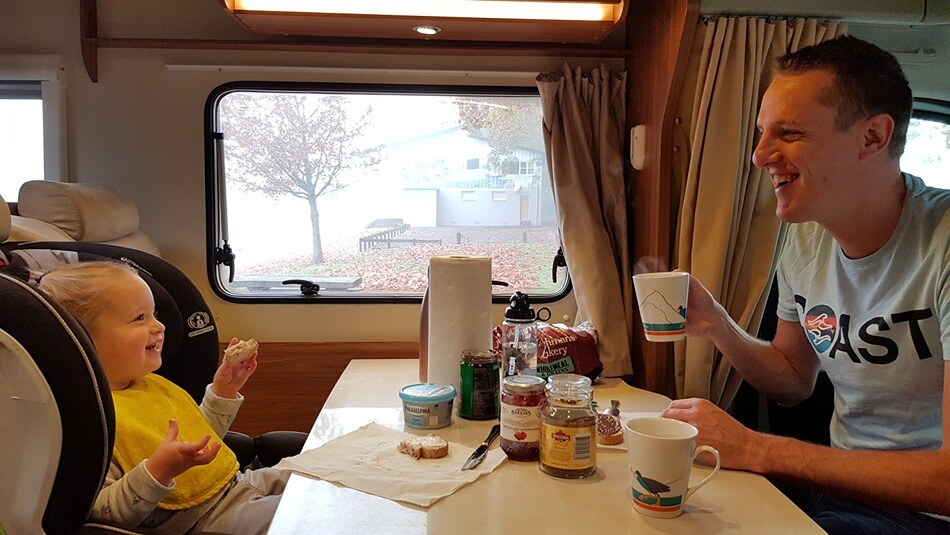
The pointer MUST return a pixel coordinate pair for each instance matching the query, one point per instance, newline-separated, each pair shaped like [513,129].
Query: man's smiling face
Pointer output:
[808,159]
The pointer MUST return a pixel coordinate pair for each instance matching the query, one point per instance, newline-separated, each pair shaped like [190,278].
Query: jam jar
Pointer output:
[522,397]
[568,428]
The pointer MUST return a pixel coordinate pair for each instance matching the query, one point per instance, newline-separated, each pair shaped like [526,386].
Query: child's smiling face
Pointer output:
[127,335]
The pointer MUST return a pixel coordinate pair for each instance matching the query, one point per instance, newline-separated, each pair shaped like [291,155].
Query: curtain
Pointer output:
[727,233]
[583,116]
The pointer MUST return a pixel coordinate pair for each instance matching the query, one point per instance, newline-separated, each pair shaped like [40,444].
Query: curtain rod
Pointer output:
[518,75]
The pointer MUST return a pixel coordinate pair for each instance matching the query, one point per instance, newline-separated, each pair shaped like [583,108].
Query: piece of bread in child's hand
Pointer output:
[427,447]
[240,351]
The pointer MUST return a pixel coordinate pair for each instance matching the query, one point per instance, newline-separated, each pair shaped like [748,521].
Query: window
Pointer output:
[927,153]
[529,168]
[21,136]
[356,187]
[32,121]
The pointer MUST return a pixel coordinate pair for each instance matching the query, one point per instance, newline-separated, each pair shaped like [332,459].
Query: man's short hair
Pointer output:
[868,80]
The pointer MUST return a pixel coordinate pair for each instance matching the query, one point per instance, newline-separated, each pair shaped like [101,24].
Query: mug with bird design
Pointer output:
[660,453]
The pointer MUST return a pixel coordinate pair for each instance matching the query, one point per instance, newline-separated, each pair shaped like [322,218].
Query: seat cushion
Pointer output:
[24,229]
[87,212]
[137,240]
[4,220]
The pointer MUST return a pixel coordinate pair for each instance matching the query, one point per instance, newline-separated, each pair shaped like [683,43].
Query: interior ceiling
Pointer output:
[904,27]
[927,79]
[208,19]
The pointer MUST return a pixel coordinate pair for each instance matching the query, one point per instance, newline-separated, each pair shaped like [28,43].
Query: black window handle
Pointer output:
[559,261]
[307,288]
[224,255]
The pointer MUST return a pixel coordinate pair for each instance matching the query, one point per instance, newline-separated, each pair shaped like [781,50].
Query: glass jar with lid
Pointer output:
[568,428]
[522,397]
[478,385]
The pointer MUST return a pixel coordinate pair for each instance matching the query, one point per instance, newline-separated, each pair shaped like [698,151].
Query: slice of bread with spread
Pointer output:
[427,447]
[609,430]
[240,351]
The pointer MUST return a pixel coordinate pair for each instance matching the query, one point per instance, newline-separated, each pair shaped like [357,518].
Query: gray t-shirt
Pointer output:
[880,324]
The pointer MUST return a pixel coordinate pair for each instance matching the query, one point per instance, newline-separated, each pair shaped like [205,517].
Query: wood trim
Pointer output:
[659,34]
[293,381]
[88,31]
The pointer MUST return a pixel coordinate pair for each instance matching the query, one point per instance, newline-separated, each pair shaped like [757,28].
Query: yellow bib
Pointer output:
[141,422]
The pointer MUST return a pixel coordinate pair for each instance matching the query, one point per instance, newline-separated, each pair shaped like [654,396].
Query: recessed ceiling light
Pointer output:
[426,30]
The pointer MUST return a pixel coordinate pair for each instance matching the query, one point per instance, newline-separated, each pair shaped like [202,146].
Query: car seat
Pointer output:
[189,359]
[57,413]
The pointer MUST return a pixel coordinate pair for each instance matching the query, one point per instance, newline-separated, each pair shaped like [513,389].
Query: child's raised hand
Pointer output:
[230,378]
[172,457]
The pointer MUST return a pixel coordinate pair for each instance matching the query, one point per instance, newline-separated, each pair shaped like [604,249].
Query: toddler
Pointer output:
[167,472]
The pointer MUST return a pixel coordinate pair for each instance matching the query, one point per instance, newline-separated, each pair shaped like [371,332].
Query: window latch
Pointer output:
[559,261]
[307,288]
[224,255]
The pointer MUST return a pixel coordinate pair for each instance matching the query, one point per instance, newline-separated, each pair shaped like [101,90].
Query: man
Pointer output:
[864,293]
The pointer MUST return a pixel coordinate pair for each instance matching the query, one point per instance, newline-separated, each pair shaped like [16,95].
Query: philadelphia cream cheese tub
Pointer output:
[427,405]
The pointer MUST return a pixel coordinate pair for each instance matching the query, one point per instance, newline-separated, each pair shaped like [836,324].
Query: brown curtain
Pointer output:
[727,233]
[583,139]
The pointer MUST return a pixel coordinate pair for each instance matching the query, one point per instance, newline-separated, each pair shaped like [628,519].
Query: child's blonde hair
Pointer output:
[78,287]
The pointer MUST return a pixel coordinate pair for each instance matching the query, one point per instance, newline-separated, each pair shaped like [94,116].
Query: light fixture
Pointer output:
[567,21]
[474,9]
[426,30]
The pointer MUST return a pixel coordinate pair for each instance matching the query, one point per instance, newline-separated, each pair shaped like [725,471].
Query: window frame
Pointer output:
[50,71]
[213,194]
[931,109]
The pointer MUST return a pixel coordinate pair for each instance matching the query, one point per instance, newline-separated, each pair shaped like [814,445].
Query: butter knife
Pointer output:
[479,454]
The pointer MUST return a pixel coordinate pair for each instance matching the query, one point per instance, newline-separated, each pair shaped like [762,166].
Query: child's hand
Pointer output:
[230,378]
[172,457]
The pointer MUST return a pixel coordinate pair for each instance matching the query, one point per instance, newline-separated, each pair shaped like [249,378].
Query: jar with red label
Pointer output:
[568,428]
[522,397]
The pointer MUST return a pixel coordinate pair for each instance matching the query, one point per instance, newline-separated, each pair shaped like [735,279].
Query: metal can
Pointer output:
[478,385]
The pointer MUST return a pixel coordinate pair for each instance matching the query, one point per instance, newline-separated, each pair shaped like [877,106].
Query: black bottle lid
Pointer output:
[520,309]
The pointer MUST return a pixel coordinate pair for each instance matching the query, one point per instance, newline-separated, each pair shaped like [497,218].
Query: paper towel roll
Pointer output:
[459,313]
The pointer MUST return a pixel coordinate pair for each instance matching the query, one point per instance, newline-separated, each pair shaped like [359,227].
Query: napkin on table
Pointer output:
[367,460]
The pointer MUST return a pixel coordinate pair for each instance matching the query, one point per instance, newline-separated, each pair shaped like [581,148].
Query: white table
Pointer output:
[516,497]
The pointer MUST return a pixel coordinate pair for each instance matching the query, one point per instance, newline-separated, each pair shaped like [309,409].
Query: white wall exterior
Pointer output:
[419,206]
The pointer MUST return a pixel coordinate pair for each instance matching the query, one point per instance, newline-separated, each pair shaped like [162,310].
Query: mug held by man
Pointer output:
[661,300]
[660,453]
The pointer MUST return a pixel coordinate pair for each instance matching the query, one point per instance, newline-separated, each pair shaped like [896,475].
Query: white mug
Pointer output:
[661,299]
[660,453]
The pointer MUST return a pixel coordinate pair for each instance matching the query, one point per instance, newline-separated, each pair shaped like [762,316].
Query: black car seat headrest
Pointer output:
[190,350]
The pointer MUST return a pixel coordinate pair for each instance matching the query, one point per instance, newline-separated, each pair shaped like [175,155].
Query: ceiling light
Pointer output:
[475,9]
[426,30]
[495,21]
